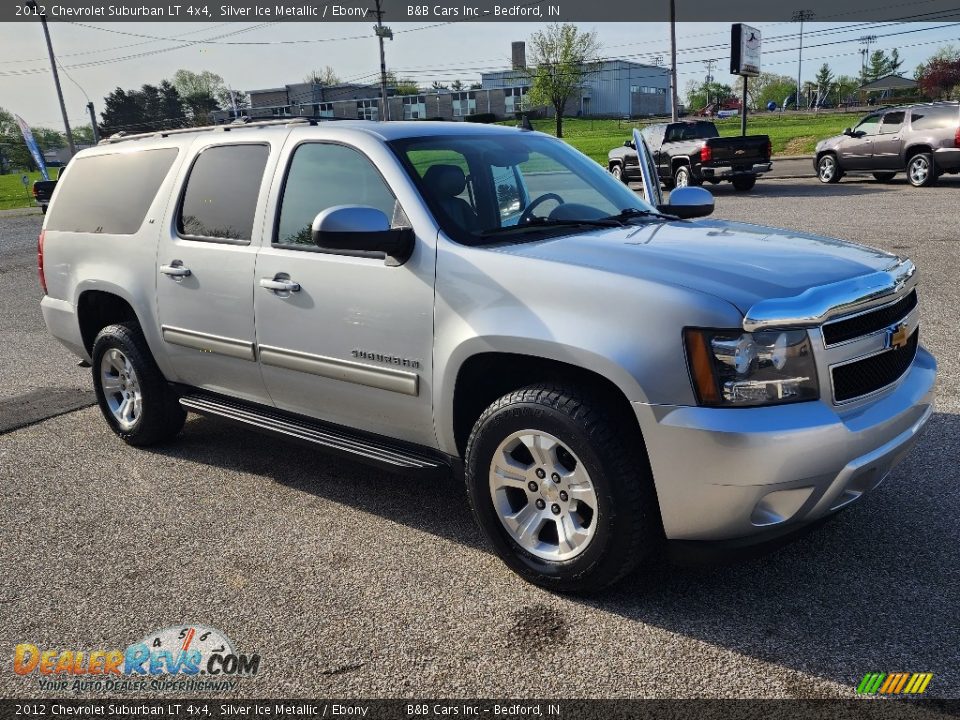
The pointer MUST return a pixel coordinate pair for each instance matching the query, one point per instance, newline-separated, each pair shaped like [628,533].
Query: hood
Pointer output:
[829,142]
[740,263]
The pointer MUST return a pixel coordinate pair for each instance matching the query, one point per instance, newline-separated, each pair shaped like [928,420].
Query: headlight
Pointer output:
[737,369]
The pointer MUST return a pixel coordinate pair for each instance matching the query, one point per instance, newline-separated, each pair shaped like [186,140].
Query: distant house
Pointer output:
[889,85]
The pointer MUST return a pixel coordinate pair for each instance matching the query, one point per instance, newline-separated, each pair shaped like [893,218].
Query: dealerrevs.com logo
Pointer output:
[181,658]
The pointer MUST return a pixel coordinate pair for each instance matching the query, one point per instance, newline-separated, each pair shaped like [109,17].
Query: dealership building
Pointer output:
[610,88]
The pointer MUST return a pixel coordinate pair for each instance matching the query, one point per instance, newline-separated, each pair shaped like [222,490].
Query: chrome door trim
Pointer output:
[205,342]
[398,381]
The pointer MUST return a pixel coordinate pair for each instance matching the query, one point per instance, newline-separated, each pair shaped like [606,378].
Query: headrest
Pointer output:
[445,180]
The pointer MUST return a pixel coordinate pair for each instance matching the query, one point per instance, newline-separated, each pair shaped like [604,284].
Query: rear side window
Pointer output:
[221,194]
[109,193]
[934,118]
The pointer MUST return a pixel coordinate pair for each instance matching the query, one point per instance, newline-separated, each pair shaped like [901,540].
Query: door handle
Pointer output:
[175,269]
[279,285]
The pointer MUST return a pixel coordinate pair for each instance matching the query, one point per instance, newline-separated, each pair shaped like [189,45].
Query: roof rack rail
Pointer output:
[238,123]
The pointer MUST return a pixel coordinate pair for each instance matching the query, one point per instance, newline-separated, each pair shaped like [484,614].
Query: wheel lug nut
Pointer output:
[563,496]
[540,504]
[532,485]
[555,477]
[555,508]
[541,473]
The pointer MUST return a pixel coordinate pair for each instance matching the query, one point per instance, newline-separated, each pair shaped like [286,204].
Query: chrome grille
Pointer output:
[869,322]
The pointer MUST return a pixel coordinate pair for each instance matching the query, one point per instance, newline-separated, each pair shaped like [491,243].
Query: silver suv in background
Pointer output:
[923,140]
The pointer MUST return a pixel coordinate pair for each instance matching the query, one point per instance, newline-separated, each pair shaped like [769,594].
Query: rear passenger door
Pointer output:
[205,264]
[887,143]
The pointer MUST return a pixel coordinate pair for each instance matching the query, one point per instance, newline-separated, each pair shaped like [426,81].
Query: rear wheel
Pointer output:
[560,489]
[131,391]
[828,171]
[682,177]
[884,176]
[920,171]
[742,183]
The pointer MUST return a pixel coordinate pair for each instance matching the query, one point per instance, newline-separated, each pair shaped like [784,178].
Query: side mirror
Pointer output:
[360,228]
[628,143]
[848,132]
[688,202]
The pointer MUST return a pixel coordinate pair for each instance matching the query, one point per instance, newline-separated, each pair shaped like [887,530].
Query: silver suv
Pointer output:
[923,140]
[429,297]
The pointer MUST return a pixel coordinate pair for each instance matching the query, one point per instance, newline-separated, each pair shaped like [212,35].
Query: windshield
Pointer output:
[490,188]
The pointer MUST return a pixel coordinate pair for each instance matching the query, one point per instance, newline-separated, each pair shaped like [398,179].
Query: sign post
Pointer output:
[744,61]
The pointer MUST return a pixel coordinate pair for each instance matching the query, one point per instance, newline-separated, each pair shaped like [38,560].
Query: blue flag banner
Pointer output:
[32,146]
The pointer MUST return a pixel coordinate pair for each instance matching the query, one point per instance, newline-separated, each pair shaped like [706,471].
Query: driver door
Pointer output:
[856,152]
[649,179]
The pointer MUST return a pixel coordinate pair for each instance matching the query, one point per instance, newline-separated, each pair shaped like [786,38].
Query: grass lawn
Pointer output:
[12,192]
[791,134]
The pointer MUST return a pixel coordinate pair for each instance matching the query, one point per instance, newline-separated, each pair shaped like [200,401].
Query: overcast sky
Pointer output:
[99,58]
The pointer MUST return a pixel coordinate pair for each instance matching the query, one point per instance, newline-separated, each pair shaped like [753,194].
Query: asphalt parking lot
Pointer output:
[351,582]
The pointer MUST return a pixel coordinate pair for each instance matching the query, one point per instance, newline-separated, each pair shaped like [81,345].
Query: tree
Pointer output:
[324,76]
[561,55]
[402,86]
[766,88]
[845,88]
[939,76]
[437,85]
[456,86]
[700,94]
[824,83]
[151,108]
[14,155]
[880,65]
[201,93]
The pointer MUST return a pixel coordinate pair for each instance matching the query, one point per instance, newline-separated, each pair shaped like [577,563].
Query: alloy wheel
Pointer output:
[121,388]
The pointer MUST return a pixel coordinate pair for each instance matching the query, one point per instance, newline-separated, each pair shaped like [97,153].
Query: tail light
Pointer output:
[706,153]
[769,149]
[35,190]
[43,279]
[956,138]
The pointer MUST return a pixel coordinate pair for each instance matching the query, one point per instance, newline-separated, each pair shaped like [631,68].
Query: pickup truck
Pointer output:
[487,302]
[691,152]
[42,192]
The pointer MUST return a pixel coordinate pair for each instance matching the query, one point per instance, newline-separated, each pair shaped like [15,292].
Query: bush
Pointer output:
[481,118]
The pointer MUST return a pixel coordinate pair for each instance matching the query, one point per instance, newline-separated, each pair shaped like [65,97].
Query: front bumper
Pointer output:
[720,172]
[727,473]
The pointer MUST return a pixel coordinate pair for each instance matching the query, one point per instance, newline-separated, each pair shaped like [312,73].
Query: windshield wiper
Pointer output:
[544,223]
[628,213]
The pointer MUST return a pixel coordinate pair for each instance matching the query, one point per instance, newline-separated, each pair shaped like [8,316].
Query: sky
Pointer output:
[100,57]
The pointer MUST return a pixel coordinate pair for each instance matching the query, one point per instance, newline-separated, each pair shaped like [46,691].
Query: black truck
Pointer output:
[692,152]
[42,191]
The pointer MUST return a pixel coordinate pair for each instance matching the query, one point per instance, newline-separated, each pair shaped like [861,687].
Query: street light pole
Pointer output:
[32,4]
[801,16]
[673,60]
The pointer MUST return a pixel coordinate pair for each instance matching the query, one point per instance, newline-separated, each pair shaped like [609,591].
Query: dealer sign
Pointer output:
[744,50]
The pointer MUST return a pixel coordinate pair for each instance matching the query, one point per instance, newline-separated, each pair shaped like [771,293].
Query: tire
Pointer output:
[743,183]
[682,177]
[614,521]
[124,371]
[617,171]
[920,170]
[828,169]
[884,176]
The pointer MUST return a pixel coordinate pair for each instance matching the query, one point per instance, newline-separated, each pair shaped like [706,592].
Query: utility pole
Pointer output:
[801,16]
[32,4]
[709,79]
[866,41]
[673,60]
[93,123]
[382,32]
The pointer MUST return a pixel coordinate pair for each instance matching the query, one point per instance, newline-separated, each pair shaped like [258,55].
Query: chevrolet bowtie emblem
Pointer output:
[897,336]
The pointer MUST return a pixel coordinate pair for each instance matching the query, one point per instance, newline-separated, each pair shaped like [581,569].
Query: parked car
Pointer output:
[689,153]
[452,297]
[923,140]
[42,192]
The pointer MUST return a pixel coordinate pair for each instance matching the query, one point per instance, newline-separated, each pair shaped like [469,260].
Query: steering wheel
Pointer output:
[527,215]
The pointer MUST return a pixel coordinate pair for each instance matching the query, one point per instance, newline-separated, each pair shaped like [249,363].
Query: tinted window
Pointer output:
[869,125]
[322,176]
[110,193]
[691,131]
[222,191]
[891,122]
[933,118]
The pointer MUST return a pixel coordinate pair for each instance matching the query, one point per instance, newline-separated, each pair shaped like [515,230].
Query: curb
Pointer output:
[792,157]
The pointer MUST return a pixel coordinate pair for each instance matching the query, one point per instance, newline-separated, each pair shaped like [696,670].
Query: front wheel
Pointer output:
[560,489]
[828,171]
[920,170]
[131,391]
[742,183]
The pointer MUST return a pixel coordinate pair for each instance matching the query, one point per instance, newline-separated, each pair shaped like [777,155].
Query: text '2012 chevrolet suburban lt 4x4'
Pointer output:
[433,296]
